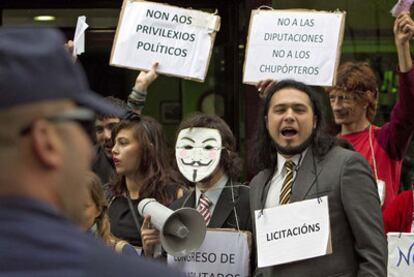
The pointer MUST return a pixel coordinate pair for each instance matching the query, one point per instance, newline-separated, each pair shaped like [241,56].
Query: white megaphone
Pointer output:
[181,231]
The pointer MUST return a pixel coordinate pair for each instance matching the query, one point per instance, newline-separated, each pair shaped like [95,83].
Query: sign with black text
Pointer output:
[180,40]
[400,254]
[293,232]
[293,44]
[224,253]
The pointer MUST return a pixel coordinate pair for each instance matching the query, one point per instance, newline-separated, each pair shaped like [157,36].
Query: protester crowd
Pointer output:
[58,218]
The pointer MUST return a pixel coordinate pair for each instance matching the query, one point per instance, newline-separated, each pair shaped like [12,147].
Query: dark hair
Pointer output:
[265,151]
[116,102]
[154,161]
[229,160]
[358,78]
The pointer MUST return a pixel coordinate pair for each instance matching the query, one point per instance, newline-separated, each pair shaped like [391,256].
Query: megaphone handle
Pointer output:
[134,214]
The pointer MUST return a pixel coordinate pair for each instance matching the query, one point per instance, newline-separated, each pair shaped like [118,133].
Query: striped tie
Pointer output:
[204,208]
[286,190]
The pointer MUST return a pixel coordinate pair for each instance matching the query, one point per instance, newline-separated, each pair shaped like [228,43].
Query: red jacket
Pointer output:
[398,216]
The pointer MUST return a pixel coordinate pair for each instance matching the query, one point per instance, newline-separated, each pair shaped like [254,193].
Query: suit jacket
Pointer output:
[223,215]
[358,240]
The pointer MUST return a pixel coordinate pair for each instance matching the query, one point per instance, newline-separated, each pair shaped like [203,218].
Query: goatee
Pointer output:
[294,150]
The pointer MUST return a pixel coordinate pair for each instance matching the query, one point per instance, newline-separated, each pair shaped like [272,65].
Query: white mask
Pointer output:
[198,152]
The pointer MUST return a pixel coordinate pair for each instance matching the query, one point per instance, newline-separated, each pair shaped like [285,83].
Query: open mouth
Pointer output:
[289,132]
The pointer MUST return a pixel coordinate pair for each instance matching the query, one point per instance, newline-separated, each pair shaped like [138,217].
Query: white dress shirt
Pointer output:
[276,183]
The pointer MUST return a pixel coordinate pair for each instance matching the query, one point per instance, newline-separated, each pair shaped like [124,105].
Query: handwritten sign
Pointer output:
[300,232]
[400,254]
[180,40]
[293,44]
[222,254]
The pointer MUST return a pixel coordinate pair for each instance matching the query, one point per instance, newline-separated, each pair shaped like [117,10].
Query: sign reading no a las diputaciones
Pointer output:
[294,44]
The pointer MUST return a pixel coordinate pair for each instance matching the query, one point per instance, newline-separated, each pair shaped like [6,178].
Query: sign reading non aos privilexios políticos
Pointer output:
[180,40]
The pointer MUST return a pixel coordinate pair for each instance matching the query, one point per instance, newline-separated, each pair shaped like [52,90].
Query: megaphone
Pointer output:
[181,231]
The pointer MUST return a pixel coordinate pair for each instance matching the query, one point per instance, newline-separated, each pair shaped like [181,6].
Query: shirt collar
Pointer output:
[281,161]
[214,192]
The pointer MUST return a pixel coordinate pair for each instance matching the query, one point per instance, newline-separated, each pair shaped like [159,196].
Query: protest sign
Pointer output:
[293,232]
[224,253]
[180,40]
[293,44]
[400,254]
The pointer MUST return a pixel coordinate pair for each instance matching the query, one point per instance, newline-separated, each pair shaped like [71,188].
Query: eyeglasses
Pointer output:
[344,98]
[84,117]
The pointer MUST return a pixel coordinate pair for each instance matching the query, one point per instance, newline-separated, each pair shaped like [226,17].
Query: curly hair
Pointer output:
[229,160]
[154,161]
[359,79]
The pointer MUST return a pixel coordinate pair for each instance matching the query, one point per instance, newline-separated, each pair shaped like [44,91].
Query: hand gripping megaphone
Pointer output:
[181,231]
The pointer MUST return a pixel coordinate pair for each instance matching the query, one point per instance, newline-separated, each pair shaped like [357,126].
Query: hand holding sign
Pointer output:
[403,28]
[263,85]
[146,78]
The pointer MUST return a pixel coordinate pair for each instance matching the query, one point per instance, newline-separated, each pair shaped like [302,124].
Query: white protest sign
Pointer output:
[79,38]
[222,254]
[293,232]
[293,44]
[180,40]
[400,254]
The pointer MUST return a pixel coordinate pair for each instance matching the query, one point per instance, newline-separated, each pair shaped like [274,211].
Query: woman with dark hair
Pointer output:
[96,216]
[143,171]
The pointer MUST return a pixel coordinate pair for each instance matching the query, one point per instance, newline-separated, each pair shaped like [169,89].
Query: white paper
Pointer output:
[173,37]
[400,254]
[293,45]
[223,253]
[401,6]
[79,38]
[292,232]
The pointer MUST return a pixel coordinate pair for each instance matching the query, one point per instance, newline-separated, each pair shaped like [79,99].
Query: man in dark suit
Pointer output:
[290,136]
[205,152]
[46,107]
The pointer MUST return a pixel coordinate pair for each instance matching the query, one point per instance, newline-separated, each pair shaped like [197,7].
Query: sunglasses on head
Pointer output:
[84,117]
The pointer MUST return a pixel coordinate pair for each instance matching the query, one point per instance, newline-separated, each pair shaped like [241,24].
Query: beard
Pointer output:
[294,150]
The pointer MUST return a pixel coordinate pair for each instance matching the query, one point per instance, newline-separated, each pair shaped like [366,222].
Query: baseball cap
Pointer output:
[35,66]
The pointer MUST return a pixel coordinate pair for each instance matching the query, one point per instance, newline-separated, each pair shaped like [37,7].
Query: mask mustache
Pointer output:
[196,163]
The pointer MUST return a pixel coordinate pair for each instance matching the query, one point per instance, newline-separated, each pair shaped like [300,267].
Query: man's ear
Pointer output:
[47,144]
